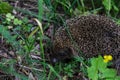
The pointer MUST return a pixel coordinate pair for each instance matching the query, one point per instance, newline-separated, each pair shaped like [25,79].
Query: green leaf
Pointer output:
[6,34]
[10,16]
[99,70]
[109,79]
[8,19]
[5,8]
[93,70]
[52,69]
[117,78]
[92,73]
[107,4]
[115,8]
[94,61]
[109,73]
[17,21]
[101,64]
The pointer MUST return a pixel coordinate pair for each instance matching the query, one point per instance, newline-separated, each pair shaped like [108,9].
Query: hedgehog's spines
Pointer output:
[93,34]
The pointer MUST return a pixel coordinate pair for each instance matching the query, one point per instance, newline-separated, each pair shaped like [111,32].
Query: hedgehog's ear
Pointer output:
[74,53]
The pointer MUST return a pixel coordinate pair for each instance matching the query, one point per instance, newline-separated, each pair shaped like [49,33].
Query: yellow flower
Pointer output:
[107,58]
[110,57]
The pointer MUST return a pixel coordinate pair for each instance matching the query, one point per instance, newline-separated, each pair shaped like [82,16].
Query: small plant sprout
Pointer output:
[17,21]
[9,17]
[99,69]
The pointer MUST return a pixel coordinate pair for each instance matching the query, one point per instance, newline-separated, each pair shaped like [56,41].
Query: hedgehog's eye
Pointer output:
[64,52]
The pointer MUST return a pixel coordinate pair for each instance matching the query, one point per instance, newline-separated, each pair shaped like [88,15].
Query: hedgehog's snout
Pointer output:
[54,60]
[61,55]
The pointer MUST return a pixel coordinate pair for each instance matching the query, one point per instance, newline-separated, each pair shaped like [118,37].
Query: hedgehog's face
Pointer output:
[61,55]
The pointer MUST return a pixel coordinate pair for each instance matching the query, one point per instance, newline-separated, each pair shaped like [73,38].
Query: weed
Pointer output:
[5,7]
[99,71]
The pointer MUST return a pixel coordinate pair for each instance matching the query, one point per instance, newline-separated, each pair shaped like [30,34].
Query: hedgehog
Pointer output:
[86,36]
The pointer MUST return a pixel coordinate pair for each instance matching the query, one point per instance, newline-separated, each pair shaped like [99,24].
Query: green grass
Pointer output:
[56,13]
